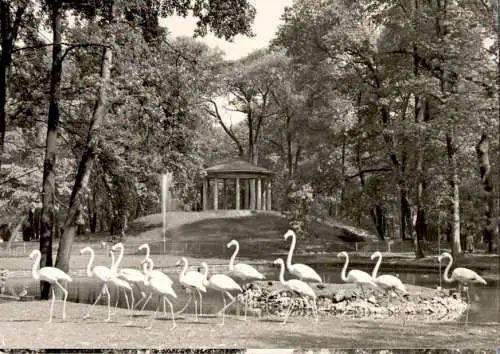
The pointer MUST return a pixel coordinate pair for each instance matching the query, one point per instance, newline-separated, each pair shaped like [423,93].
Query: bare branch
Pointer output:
[370,170]
[227,129]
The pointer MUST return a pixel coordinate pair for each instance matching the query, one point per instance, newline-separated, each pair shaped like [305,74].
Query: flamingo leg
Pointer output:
[109,304]
[65,299]
[289,311]
[132,304]
[164,305]
[246,305]
[146,302]
[405,315]
[154,314]
[363,290]
[165,298]
[143,297]
[201,302]
[315,309]
[52,305]
[468,306]
[233,300]
[223,309]
[195,308]
[186,305]
[102,292]
[117,298]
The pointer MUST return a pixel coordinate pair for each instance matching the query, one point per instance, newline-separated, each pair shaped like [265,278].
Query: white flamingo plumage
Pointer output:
[104,274]
[224,284]
[147,256]
[301,271]
[53,276]
[356,276]
[463,276]
[386,282]
[158,283]
[298,287]
[131,275]
[152,271]
[121,284]
[243,271]
[148,264]
[191,281]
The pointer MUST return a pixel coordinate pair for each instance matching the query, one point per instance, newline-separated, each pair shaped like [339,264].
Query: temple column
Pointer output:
[204,192]
[264,197]
[252,194]
[237,181]
[259,194]
[216,193]
[246,197]
[224,181]
[268,195]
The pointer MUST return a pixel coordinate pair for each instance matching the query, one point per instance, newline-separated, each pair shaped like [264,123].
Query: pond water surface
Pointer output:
[485,308]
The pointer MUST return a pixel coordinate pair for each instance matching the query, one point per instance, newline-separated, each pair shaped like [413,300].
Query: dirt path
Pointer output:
[23,325]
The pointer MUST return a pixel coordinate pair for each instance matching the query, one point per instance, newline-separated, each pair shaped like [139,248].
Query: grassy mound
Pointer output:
[258,232]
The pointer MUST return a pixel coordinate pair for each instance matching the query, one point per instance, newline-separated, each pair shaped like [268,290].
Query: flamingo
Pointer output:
[147,256]
[386,282]
[355,275]
[53,276]
[297,286]
[463,276]
[148,270]
[222,283]
[131,275]
[121,284]
[301,271]
[243,271]
[104,274]
[192,281]
[159,284]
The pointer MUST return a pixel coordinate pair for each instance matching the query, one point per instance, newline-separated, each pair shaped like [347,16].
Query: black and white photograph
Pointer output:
[250,176]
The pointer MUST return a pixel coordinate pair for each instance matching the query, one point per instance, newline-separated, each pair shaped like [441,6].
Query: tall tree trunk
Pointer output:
[454,184]
[9,29]
[48,188]
[376,211]
[380,221]
[405,216]
[343,169]
[482,149]
[421,105]
[85,166]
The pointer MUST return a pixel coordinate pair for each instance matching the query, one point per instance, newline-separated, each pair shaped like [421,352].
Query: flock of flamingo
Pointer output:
[153,281]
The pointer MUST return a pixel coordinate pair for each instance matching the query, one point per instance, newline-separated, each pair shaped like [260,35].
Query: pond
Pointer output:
[485,307]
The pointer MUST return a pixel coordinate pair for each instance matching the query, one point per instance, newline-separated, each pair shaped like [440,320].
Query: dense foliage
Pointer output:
[382,113]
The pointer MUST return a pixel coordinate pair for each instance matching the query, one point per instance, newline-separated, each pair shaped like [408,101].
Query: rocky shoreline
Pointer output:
[345,301]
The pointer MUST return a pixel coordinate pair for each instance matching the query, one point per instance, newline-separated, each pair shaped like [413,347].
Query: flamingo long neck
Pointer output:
[112,267]
[292,248]
[183,271]
[119,259]
[36,264]
[148,251]
[205,271]
[343,274]
[146,268]
[447,270]
[89,264]
[375,270]
[231,261]
[151,265]
[282,273]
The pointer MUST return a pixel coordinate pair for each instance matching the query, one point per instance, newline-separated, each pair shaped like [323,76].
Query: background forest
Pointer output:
[380,113]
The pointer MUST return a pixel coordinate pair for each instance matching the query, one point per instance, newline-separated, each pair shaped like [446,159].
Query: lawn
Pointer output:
[17,318]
